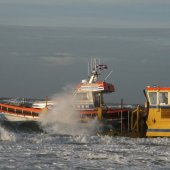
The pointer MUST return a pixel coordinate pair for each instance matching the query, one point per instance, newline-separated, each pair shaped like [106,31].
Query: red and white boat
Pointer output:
[89,97]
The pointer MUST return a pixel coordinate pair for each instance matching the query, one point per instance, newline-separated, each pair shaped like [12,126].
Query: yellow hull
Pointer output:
[158,133]
[158,122]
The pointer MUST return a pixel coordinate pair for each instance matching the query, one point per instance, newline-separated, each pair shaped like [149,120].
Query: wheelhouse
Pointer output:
[90,95]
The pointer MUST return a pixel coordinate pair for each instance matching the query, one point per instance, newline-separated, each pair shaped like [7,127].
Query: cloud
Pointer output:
[59,59]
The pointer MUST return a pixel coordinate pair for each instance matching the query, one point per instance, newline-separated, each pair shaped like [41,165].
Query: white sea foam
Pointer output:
[63,119]
[5,135]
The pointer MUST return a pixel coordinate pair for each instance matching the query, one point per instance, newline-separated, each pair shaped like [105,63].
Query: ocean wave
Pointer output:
[6,135]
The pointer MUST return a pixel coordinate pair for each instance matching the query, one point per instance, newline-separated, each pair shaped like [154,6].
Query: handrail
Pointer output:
[135,125]
[20,108]
[22,111]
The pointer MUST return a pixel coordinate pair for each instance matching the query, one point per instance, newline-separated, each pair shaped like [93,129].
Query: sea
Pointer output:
[40,61]
[58,140]
[29,147]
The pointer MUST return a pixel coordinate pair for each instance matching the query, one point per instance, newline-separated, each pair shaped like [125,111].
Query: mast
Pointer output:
[96,69]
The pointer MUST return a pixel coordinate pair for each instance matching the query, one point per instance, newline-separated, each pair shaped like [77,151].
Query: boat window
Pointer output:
[82,96]
[163,98]
[153,97]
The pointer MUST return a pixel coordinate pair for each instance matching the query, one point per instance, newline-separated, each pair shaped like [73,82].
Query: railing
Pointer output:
[135,119]
[19,110]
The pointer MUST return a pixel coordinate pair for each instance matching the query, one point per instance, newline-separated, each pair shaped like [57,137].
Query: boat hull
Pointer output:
[158,122]
[17,118]
[158,132]
[18,113]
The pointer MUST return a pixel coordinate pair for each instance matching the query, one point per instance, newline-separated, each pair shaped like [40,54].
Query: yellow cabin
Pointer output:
[158,108]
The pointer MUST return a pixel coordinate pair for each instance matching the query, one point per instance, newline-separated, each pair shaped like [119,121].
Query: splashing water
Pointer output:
[63,119]
[5,135]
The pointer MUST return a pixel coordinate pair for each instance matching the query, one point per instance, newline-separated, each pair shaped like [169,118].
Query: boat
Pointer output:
[158,111]
[21,109]
[17,113]
[89,95]
[89,101]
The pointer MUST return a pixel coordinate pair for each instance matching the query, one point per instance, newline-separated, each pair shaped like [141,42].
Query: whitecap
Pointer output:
[6,135]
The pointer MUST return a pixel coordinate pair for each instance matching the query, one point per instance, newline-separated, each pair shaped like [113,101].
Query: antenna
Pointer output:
[88,69]
[91,64]
[99,61]
[95,62]
[108,75]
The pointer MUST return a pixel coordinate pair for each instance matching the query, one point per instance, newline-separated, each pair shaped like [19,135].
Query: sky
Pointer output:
[45,46]
[86,13]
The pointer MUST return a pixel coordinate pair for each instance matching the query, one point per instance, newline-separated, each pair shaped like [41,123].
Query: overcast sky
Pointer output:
[86,13]
[40,61]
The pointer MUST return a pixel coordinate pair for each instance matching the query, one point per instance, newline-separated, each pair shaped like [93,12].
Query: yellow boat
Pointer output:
[158,108]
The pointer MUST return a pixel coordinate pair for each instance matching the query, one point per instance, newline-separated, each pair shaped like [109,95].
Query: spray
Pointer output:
[64,119]
[5,135]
